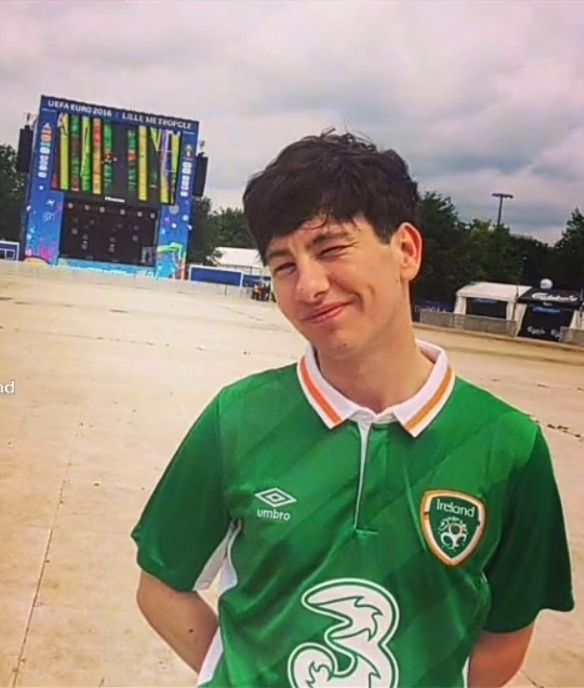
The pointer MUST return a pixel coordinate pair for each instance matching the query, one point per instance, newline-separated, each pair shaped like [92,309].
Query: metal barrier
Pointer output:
[569,335]
[470,323]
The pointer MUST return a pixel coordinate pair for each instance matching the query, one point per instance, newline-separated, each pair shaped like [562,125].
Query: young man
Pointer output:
[379,521]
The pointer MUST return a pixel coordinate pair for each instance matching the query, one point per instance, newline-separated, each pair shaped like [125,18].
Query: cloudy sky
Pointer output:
[478,97]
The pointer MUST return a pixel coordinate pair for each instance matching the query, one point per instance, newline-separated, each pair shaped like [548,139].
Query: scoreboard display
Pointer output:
[116,160]
[110,185]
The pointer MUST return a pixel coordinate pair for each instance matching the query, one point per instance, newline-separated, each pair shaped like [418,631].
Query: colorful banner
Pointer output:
[86,154]
[165,168]
[97,156]
[45,150]
[63,124]
[132,154]
[174,228]
[175,147]
[155,141]
[142,164]
[43,209]
[75,153]
[108,157]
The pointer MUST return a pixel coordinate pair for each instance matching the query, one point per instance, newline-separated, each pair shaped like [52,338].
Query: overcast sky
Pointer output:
[478,97]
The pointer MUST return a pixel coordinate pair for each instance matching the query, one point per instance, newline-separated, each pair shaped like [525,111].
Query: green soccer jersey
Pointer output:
[357,549]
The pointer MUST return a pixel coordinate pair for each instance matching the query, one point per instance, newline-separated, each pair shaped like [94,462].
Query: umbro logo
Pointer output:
[275,498]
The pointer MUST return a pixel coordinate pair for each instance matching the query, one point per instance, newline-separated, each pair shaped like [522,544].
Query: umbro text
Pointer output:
[273,515]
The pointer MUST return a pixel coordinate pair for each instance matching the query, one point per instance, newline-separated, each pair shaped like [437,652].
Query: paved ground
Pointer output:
[107,380]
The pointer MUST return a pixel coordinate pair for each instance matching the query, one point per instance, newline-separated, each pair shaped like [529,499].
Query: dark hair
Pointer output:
[338,176]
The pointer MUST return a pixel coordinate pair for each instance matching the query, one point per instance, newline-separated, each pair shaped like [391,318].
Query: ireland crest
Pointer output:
[453,524]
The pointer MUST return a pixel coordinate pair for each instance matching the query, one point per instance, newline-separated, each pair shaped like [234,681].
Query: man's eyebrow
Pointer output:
[330,236]
[321,238]
[278,253]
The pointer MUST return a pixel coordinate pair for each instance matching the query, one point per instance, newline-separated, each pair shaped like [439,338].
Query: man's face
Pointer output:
[341,286]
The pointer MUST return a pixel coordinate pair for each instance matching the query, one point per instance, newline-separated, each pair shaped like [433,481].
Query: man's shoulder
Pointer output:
[274,385]
[483,413]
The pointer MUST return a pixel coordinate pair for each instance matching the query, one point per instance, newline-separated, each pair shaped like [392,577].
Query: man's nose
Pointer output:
[312,281]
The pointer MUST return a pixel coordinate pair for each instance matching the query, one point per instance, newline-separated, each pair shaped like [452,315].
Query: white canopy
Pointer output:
[246,259]
[507,293]
[492,290]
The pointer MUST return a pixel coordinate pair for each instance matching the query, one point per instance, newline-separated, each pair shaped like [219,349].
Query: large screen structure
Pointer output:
[109,159]
[105,180]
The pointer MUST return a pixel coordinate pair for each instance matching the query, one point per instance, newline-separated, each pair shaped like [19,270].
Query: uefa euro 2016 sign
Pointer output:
[116,114]
[99,154]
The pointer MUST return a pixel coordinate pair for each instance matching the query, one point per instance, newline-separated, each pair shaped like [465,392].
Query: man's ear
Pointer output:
[410,245]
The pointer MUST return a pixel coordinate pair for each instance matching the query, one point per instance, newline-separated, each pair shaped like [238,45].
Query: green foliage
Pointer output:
[11,194]
[223,227]
[202,248]
[456,253]
[229,226]
[492,253]
[569,254]
[444,269]
[536,259]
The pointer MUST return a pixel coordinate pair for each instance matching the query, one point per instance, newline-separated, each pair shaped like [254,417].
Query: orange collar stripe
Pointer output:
[318,395]
[427,409]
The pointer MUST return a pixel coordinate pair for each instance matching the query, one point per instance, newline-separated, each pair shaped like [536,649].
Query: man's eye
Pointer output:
[283,269]
[332,251]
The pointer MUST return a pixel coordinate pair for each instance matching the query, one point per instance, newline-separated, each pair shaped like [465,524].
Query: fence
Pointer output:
[470,323]
[569,335]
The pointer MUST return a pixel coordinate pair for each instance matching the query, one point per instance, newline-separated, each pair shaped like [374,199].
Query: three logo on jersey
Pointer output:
[453,523]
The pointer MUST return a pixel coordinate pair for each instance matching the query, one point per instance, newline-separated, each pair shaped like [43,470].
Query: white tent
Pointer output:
[494,291]
[244,259]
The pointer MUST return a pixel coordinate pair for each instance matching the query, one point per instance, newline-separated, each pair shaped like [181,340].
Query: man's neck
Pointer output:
[388,375]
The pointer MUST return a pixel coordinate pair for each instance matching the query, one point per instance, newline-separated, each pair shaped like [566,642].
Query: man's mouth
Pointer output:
[327,313]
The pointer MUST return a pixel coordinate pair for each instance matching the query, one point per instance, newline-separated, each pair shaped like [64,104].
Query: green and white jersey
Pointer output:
[358,549]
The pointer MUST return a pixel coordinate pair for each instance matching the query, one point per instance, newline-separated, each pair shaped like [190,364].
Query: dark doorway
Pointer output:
[488,308]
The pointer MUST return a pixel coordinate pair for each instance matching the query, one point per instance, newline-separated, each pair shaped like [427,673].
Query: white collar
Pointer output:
[414,414]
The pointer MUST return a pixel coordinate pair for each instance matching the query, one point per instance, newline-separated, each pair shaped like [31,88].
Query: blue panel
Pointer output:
[175,220]
[230,277]
[45,206]
[253,280]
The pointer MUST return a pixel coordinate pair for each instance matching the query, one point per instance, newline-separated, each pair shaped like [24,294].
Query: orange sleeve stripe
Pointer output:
[427,409]
[317,395]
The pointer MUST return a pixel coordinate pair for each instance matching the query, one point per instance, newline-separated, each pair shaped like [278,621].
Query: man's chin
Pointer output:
[334,347]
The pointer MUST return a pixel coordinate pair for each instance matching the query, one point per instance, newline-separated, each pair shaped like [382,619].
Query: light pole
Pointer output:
[501,197]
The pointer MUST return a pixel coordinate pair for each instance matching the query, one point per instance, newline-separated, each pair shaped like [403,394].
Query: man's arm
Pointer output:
[183,619]
[498,657]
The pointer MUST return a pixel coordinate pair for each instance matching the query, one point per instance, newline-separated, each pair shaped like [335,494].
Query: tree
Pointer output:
[203,241]
[444,269]
[213,228]
[536,259]
[569,254]
[12,185]
[491,253]
[230,228]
